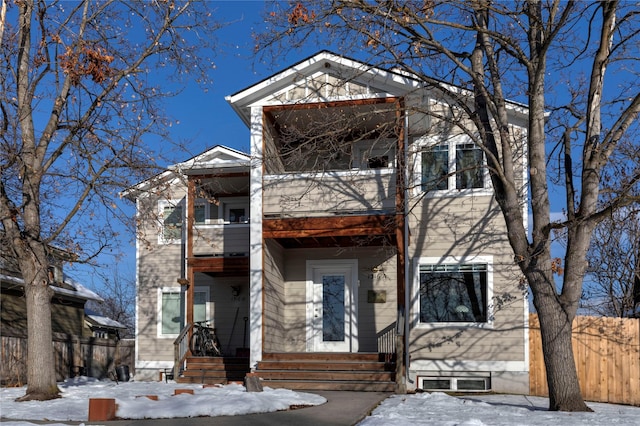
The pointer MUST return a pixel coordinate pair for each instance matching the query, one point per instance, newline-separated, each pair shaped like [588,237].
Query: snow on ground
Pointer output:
[439,409]
[433,409]
[230,400]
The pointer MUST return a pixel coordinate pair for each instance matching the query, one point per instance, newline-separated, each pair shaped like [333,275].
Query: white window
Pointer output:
[453,291]
[200,212]
[201,304]
[172,218]
[170,313]
[453,165]
[234,209]
[374,155]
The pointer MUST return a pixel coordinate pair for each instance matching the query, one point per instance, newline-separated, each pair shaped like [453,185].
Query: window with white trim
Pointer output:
[234,209]
[454,292]
[457,164]
[200,212]
[201,304]
[172,219]
[169,312]
[369,155]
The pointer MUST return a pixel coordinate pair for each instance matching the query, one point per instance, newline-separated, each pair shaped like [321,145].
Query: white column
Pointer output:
[255,239]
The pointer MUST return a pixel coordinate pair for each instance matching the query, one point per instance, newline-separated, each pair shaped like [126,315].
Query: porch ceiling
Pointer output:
[369,116]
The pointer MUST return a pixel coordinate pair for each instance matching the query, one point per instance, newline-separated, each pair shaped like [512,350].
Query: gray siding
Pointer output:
[275,307]
[373,318]
[469,226]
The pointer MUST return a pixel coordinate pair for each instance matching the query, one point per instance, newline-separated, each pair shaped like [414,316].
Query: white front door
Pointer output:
[332,306]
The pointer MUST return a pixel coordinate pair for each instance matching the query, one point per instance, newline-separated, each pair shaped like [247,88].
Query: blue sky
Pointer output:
[205,118]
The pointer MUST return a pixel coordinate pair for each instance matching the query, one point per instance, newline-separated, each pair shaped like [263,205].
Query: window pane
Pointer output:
[198,213]
[435,168]
[458,295]
[200,306]
[172,223]
[236,215]
[171,319]
[469,167]
[333,297]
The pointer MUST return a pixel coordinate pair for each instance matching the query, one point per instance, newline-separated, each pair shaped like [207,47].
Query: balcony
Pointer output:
[216,238]
[336,193]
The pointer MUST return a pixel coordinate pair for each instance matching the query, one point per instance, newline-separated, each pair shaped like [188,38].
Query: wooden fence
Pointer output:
[607,355]
[93,357]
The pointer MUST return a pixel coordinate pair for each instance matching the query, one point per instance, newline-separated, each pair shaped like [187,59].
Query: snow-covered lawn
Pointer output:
[229,400]
[398,410]
[439,409]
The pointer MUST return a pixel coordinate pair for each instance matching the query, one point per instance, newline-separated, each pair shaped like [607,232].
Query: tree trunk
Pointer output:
[557,350]
[41,371]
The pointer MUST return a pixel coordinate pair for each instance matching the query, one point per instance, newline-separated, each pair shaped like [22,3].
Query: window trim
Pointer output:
[452,143]
[162,204]
[451,260]
[161,291]
[207,303]
[360,161]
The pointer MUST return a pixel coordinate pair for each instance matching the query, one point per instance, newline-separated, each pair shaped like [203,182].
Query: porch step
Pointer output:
[328,371]
[214,370]
[350,385]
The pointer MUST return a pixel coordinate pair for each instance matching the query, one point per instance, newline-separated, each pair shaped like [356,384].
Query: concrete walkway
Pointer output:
[342,408]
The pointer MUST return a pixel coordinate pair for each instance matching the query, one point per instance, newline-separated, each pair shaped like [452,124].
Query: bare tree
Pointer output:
[614,266]
[118,292]
[554,56]
[81,86]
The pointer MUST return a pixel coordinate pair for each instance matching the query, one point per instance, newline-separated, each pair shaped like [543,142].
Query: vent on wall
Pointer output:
[460,384]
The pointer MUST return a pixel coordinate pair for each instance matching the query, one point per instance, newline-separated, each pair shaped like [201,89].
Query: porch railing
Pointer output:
[387,340]
[180,350]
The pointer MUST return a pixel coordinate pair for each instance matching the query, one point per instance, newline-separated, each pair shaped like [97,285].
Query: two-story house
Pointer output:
[358,246]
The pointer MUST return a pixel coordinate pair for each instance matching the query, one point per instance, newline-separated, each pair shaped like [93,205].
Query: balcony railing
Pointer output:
[319,194]
[222,239]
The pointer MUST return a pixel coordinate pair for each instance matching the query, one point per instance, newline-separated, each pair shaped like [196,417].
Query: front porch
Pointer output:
[372,372]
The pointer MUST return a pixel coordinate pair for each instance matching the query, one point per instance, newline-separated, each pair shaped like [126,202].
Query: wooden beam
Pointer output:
[220,265]
[334,104]
[340,226]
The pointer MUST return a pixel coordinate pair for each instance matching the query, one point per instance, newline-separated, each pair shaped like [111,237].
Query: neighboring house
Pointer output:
[67,304]
[83,343]
[103,327]
[361,230]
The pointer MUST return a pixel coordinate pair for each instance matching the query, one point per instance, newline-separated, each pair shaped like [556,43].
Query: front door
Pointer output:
[331,306]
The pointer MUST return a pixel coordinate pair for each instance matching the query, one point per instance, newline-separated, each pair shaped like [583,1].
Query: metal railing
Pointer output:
[387,340]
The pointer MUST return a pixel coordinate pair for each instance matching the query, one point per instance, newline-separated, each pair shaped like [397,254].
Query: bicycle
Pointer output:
[204,341]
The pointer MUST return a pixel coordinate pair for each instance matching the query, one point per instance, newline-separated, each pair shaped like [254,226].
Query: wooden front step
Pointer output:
[214,370]
[328,371]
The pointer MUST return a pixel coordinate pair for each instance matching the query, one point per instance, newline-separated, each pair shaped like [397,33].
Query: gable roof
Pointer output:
[377,81]
[220,158]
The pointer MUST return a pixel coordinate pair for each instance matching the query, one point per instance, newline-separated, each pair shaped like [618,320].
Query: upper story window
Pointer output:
[453,165]
[369,155]
[200,212]
[172,220]
[225,210]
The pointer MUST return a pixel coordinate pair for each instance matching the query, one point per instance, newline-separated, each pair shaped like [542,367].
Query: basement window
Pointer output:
[455,384]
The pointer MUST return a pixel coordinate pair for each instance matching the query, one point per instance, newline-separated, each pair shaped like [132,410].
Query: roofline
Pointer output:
[4,278]
[291,70]
[132,192]
[515,106]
